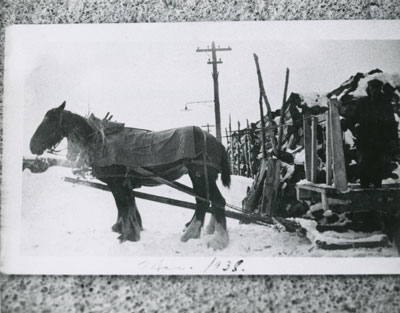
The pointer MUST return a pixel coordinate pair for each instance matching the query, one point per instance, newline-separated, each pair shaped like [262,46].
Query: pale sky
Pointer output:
[146,82]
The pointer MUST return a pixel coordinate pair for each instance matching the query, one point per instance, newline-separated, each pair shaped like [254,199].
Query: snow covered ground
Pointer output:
[61,219]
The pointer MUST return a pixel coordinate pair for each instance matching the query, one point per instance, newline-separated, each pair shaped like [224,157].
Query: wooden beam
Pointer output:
[307,145]
[383,242]
[314,149]
[263,145]
[339,167]
[252,199]
[324,201]
[317,188]
[368,199]
[272,183]
[328,150]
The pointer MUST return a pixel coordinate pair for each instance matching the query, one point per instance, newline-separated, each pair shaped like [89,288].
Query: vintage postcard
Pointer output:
[202,148]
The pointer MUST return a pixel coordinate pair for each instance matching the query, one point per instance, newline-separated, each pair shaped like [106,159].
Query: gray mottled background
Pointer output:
[194,293]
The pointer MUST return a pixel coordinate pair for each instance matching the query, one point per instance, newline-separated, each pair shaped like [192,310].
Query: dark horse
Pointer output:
[59,123]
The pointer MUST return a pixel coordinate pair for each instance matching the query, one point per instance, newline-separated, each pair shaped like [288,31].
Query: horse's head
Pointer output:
[49,133]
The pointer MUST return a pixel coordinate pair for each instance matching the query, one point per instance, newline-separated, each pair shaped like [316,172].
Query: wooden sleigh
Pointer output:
[337,194]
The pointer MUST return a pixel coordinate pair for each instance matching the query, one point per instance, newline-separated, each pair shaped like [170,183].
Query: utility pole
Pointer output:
[214,63]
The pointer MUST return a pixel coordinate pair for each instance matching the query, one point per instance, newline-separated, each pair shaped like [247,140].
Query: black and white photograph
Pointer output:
[202,148]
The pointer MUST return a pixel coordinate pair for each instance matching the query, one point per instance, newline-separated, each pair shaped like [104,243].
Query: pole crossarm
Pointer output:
[211,49]
[215,62]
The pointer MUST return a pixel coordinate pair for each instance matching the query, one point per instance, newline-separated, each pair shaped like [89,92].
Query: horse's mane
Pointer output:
[83,130]
[103,126]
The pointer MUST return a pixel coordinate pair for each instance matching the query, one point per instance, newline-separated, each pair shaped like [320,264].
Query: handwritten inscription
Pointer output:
[215,266]
[225,266]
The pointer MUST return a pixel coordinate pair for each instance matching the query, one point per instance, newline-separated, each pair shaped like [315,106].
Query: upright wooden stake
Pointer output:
[328,150]
[339,167]
[264,96]
[283,109]
[238,147]
[246,153]
[248,148]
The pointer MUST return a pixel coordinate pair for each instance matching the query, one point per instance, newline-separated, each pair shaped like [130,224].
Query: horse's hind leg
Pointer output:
[193,230]
[210,228]
[220,238]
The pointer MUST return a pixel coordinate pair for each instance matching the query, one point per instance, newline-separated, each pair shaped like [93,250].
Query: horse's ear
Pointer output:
[62,106]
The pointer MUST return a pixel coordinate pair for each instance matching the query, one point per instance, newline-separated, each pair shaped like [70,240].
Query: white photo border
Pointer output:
[12,262]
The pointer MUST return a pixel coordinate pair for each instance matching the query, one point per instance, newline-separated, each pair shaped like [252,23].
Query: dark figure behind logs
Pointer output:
[118,155]
[376,134]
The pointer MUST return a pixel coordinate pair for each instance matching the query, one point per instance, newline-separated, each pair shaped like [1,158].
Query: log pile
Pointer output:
[297,109]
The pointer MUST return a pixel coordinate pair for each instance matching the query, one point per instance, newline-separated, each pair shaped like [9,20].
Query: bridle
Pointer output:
[60,129]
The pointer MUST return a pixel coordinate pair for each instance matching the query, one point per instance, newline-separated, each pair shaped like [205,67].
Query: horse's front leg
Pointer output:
[117,227]
[193,228]
[129,223]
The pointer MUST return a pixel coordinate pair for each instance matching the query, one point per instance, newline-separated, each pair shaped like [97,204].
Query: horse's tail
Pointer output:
[225,169]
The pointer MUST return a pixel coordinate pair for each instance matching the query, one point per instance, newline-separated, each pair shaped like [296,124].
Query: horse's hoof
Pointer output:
[121,239]
[117,228]
[192,231]
[186,227]
[218,243]
[210,229]
[129,237]
[220,239]
[185,237]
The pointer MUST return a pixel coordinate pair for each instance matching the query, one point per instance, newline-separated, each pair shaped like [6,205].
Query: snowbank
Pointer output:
[61,219]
